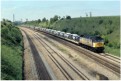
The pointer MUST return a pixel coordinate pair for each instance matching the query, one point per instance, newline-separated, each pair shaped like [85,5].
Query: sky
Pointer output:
[38,9]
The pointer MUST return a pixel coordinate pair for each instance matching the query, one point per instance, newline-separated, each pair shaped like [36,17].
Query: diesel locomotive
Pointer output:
[96,43]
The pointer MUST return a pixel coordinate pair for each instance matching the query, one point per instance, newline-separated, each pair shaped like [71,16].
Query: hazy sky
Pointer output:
[37,9]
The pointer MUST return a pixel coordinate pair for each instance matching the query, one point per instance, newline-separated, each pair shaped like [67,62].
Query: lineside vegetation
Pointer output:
[11,51]
[108,27]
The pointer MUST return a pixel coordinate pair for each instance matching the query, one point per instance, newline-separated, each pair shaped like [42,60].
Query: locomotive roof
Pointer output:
[93,37]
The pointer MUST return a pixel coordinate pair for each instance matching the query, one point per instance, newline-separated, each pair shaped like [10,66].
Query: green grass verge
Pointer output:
[113,51]
[11,63]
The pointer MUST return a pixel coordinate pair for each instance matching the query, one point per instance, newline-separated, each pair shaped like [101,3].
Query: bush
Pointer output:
[93,26]
[16,36]
[65,29]
[109,31]
[106,41]
[68,17]
[100,21]
[110,22]
[4,32]
[97,33]
[110,44]
[116,45]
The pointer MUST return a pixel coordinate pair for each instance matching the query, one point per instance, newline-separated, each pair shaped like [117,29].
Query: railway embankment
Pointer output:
[11,51]
[108,27]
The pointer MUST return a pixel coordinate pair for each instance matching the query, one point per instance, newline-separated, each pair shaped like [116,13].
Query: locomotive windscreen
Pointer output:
[98,39]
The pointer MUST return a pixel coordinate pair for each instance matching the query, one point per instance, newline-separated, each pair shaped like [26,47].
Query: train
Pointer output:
[94,43]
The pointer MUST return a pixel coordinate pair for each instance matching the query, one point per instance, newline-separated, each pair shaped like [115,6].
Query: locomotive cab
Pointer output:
[98,43]
[94,43]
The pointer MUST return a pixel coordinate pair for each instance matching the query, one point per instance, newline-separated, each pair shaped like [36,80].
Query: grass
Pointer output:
[11,63]
[115,51]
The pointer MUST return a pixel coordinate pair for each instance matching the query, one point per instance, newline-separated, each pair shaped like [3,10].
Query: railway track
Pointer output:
[109,65]
[117,60]
[40,67]
[102,54]
[60,66]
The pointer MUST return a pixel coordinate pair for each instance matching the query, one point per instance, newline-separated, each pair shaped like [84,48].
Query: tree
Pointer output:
[51,20]
[59,17]
[39,20]
[44,19]
[54,19]
[62,19]
[68,17]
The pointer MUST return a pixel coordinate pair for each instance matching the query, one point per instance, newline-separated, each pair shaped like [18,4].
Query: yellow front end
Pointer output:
[98,44]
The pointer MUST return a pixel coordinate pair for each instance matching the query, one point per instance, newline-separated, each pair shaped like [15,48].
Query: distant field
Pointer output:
[108,27]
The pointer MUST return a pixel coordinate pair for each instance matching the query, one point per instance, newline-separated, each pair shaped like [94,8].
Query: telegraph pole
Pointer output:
[90,14]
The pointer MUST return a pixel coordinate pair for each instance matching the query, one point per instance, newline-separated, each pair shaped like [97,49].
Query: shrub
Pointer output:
[97,33]
[65,29]
[100,21]
[16,34]
[93,26]
[68,17]
[4,32]
[110,22]
[106,41]
[109,31]
[116,45]
[110,44]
